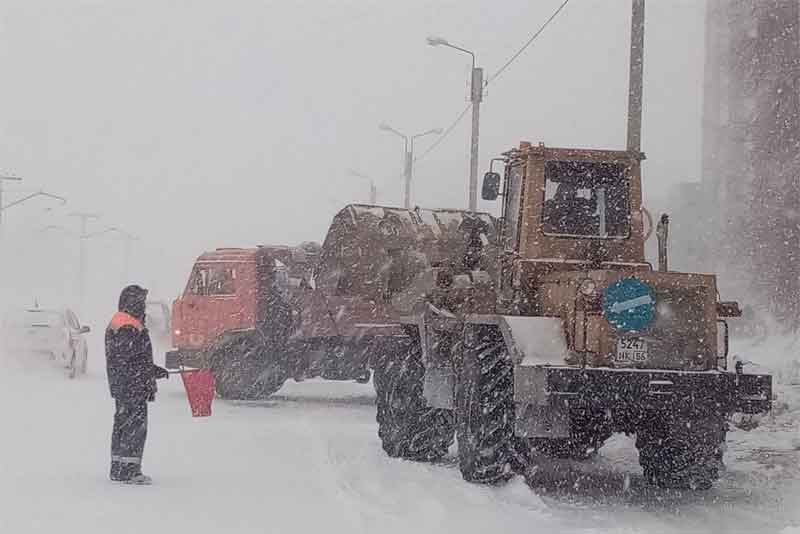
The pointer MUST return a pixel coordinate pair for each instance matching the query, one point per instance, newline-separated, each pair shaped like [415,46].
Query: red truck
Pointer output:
[237,305]
[259,316]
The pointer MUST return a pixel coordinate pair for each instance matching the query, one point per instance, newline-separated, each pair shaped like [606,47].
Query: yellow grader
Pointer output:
[550,331]
[547,331]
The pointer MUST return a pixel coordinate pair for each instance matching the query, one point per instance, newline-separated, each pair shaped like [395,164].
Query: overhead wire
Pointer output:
[511,60]
[444,135]
[528,43]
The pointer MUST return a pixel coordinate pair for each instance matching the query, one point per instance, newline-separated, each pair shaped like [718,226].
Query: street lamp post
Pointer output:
[408,157]
[373,191]
[476,97]
[83,235]
[128,240]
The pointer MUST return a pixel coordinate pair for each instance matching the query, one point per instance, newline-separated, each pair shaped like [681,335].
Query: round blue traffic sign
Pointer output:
[629,304]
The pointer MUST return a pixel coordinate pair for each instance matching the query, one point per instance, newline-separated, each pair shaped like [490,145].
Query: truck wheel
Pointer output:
[678,456]
[485,408]
[408,428]
[240,372]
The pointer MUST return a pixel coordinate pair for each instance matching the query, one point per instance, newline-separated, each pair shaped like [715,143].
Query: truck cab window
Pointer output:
[213,281]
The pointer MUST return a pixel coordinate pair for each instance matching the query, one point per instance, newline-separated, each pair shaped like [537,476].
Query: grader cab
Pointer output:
[568,336]
[573,233]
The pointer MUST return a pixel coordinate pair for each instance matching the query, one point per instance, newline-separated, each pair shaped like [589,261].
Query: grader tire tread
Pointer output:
[682,459]
[488,450]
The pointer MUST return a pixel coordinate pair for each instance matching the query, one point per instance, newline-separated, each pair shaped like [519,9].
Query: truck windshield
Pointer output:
[213,281]
[586,199]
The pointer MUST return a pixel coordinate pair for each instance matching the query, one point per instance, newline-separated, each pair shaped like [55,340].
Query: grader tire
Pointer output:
[407,427]
[681,456]
[487,447]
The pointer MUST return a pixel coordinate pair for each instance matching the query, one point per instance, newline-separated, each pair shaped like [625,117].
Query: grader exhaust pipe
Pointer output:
[662,233]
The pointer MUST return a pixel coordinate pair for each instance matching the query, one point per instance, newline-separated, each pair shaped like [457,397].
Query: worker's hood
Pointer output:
[133,301]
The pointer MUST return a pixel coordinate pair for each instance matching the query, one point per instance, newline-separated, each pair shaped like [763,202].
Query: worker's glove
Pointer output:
[160,372]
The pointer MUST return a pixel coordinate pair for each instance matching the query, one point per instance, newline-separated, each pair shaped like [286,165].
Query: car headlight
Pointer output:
[588,287]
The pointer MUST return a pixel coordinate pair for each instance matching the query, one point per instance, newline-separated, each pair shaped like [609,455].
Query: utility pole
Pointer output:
[476,94]
[634,143]
[82,236]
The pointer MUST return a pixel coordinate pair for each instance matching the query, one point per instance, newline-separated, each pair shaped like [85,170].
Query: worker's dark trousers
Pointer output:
[127,439]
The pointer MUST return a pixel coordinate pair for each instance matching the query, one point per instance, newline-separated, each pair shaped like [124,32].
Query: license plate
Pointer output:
[631,350]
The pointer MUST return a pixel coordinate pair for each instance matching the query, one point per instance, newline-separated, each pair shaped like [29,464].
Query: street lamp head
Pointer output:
[437,41]
[386,128]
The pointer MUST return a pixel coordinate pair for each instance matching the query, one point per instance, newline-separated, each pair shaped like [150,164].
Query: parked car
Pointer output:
[158,320]
[55,332]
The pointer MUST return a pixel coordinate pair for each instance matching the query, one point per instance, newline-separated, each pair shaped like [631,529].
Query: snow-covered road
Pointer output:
[309,461]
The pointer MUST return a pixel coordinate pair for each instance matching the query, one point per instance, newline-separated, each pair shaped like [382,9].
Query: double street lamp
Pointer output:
[35,194]
[408,154]
[476,96]
[83,236]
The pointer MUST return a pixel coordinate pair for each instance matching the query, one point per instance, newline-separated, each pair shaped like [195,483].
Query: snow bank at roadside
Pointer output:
[777,353]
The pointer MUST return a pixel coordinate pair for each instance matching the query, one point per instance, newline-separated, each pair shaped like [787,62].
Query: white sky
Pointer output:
[197,124]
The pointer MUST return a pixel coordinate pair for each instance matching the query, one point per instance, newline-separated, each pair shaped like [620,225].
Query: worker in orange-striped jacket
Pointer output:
[132,380]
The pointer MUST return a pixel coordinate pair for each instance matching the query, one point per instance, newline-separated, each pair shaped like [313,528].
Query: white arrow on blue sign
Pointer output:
[629,304]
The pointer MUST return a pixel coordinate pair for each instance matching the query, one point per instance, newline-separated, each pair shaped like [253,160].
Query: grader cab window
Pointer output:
[586,199]
[515,182]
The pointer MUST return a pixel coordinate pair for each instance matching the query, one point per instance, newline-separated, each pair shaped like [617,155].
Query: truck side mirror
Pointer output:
[491,186]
